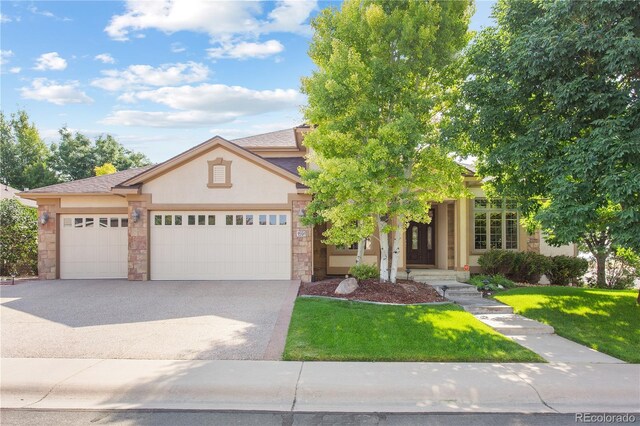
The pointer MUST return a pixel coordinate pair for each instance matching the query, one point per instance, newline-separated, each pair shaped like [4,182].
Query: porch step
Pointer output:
[454,289]
[428,276]
[514,325]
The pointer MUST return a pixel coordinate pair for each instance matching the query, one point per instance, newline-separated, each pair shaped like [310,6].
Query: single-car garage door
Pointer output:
[93,246]
[220,245]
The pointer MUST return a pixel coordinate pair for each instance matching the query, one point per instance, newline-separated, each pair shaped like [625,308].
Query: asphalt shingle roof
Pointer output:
[279,139]
[94,184]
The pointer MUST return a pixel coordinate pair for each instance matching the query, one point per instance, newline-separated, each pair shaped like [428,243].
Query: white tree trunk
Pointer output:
[360,254]
[395,250]
[384,250]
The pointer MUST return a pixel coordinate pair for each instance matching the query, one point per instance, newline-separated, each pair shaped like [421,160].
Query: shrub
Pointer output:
[364,271]
[528,267]
[517,266]
[496,262]
[491,282]
[565,270]
[18,238]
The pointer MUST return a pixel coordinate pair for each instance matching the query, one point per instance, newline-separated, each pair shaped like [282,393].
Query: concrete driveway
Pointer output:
[119,319]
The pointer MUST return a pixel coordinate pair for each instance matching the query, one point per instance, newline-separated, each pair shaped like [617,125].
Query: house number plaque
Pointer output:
[301,233]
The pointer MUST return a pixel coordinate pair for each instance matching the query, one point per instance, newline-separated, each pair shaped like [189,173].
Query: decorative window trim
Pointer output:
[227,168]
[487,210]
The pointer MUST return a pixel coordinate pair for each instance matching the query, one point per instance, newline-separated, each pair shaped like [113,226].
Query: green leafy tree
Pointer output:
[105,169]
[383,79]
[23,154]
[551,110]
[18,238]
[77,156]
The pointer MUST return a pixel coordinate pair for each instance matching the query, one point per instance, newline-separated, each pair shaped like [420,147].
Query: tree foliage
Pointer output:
[383,79]
[105,169]
[76,156]
[27,162]
[23,154]
[551,110]
[18,238]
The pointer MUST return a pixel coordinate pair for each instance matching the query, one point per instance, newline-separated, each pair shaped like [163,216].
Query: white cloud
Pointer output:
[105,58]
[177,47]
[4,18]
[50,61]
[43,89]
[222,20]
[15,70]
[220,97]
[46,13]
[142,76]
[203,105]
[4,56]
[245,50]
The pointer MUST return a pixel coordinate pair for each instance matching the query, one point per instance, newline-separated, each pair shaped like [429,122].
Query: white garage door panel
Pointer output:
[93,246]
[220,251]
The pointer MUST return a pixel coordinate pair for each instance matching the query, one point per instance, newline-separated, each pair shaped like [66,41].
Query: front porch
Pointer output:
[434,251]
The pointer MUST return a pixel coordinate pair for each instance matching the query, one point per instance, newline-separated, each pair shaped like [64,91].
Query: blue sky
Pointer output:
[160,76]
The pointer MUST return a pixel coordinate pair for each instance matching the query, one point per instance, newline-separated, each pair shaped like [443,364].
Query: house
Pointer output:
[9,193]
[232,210]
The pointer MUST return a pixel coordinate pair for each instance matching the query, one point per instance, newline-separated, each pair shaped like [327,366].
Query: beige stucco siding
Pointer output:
[251,183]
[94,201]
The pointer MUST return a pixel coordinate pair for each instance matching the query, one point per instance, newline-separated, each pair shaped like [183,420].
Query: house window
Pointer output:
[354,246]
[219,173]
[495,224]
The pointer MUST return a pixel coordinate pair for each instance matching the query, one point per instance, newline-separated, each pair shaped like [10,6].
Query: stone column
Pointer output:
[533,242]
[138,240]
[47,243]
[302,245]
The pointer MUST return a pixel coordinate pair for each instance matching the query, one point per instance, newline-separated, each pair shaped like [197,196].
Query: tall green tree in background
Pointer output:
[551,111]
[383,79]
[23,154]
[76,156]
[27,162]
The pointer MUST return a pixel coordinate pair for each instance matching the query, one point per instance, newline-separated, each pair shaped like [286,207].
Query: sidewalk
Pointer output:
[319,386]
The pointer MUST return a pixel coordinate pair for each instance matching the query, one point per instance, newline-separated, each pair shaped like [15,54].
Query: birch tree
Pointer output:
[384,74]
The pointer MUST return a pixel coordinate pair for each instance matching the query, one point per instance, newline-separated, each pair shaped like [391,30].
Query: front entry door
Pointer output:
[421,242]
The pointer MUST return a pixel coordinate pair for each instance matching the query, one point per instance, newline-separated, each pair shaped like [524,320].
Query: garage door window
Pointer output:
[229,219]
[262,219]
[124,222]
[88,222]
[239,219]
[248,219]
[103,222]
[283,219]
[212,219]
[177,219]
[114,222]
[201,219]
[77,222]
[272,219]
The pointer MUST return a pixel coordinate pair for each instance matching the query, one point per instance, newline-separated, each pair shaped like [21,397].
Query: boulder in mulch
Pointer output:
[347,286]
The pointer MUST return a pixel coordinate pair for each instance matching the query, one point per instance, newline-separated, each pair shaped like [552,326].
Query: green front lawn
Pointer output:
[605,320]
[334,330]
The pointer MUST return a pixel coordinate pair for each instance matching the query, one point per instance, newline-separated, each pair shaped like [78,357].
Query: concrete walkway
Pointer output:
[533,335]
[319,386]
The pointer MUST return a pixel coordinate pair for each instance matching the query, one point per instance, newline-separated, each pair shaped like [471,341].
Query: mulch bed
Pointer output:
[405,292]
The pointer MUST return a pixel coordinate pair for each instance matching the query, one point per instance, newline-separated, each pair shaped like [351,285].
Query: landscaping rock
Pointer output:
[347,286]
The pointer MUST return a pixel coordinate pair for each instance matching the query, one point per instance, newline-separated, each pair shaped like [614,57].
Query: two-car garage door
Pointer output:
[197,245]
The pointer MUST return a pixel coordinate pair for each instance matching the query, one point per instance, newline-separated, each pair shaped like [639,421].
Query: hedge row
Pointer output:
[529,267]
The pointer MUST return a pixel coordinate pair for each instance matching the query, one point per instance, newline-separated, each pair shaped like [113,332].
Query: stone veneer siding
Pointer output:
[47,244]
[533,242]
[302,246]
[138,243]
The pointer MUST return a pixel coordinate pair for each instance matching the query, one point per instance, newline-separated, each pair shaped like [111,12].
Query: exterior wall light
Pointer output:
[44,218]
[135,215]
[301,212]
